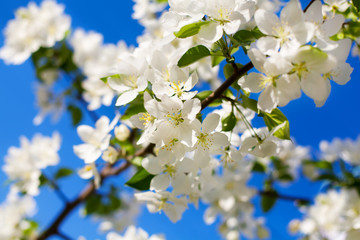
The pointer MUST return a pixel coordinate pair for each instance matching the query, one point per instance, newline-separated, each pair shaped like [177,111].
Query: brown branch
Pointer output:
[88,190]
[239,72]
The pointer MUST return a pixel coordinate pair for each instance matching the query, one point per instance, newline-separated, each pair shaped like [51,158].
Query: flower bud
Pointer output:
[122,132]
[110,155]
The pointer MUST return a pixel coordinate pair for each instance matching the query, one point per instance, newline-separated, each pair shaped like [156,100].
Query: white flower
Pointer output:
[32,28]
[133,233]
[167,169]
[225,16]
[13,213]
[323,29]
[130,79]
[122,132]
[90,171]
[110,155]
[279,87]
[208,142]
[96,139]
[175,121]
[289,31]
[155,202]
[309,64]
[266,146]
[23,165]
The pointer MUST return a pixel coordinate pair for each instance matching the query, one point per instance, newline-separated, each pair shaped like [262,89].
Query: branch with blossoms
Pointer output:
[180,153]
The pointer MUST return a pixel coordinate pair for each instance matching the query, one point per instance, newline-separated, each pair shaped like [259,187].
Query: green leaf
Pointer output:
[135,107]
[104,79]
[141,180]
[137,161]
[229,70]
[268,202]
[76,114]
[327,176]
[63,172]
[92,204]
[203,95]
[356,4]
[127,146]
[190,29]
[249,103]
[274,119]
[245,37]
[216,60]
[43,180]
[31,228]
[193,54]
[325,165]
[285,176]
[258,167]
[228,122]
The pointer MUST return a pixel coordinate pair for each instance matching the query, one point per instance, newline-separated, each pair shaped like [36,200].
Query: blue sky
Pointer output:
[339,117]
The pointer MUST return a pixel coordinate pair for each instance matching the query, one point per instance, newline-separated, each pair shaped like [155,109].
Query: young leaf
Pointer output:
[92,204]
[141,180]
[275,118]
[267,202]
[190,29]
[193,54]
[229,122]
[76,114]
[356,4]
[204,94]
[245,37]
[216,60]
[258,167]
[229,70]
[135,107]
[63,172]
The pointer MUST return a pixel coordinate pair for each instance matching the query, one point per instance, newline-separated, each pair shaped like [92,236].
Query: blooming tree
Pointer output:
[187,135]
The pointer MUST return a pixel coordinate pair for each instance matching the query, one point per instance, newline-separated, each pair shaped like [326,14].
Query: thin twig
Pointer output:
[273,194]
[220,90]
[57,189]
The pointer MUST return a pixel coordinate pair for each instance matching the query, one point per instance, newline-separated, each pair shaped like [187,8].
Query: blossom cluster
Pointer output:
[23,165]
[195,154]
[334,215]
[32,28]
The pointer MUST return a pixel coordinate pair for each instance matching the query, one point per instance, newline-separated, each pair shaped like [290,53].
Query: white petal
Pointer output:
[152,165]
[126,97]
[87,152]
[257,58]
[292,13]
[268,100]
[315,86]
[160,182]
[191,108]
[210,123]
[268,45]
[85,132]
[266,21]
[252,82]
[210,215]
[211,32]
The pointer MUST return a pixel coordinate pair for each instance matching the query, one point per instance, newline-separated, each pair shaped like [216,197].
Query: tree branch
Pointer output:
[238,72]
[90,189]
